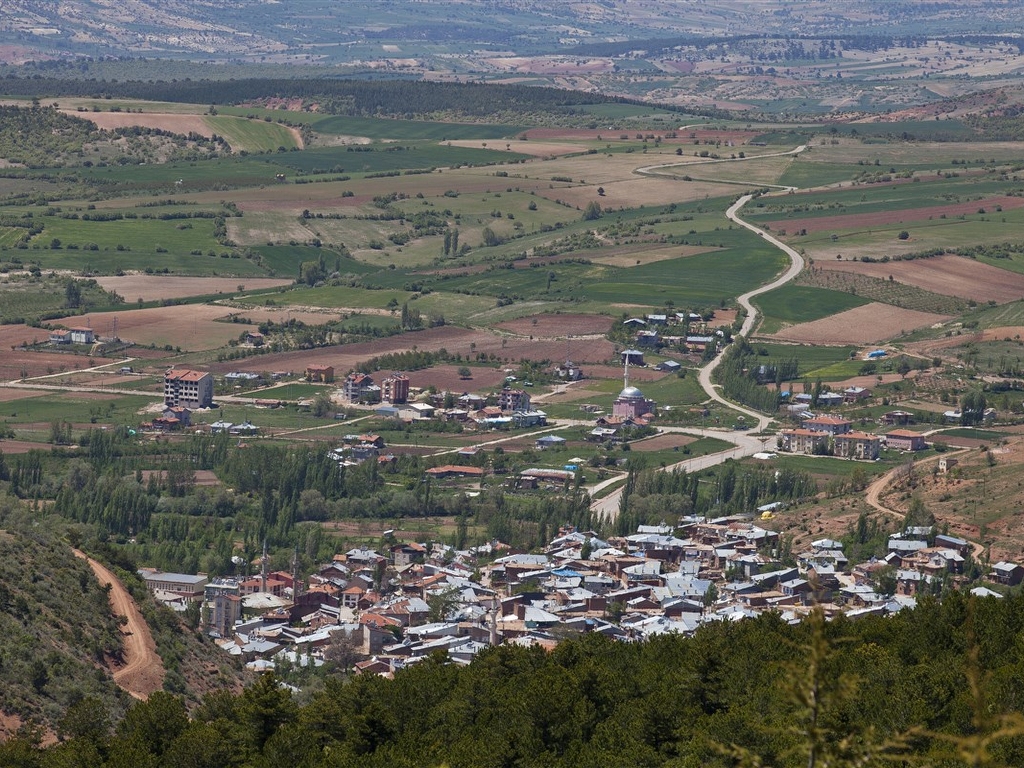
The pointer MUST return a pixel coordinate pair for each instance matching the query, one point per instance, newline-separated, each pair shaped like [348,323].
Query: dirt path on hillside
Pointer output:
[143,670]
[873,496]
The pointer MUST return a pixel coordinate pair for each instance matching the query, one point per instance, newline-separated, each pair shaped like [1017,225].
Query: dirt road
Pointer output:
[143,670]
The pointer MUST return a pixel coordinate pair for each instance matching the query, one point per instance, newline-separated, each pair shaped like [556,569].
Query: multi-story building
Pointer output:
[513,400]
[192,389]
[803,441]
[395,389]
[856,445]
[360,386]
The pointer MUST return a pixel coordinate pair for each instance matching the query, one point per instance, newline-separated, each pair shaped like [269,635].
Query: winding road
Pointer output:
[744,444]
[143,670]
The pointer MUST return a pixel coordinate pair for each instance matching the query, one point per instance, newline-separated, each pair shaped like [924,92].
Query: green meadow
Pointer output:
[792,304]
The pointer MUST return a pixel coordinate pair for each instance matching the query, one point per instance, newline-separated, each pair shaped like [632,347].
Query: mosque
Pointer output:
[631,402]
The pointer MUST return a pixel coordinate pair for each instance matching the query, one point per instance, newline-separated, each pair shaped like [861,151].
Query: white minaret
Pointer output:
[263,568]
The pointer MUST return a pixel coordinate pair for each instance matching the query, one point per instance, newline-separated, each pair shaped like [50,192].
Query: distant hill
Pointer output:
[299,30]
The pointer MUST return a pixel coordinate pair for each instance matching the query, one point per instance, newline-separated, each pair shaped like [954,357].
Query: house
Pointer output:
[657,319]
[417,411]
[187,585]
[530,418]
[833,425]
[550,441]
[395,388]
[446,471]
[186,387]
[569,371]
[855,394]
[321,373]
[534,477]
[513,400]
[254,339]
[830,399]
[806,441]
[182,414]
[81,335]
[1007,574]
[359,386]
[946,464]
[632,357]
[647,339]
[897,418]
[668,366]
[905,440]
[856,445]
[60,336]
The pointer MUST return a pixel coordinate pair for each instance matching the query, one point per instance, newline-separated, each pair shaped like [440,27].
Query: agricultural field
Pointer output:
[864,324]
[794,304]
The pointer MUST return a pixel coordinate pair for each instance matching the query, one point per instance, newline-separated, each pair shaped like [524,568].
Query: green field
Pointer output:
[293,391]
[252,135]
[376,128]
[373,158]
[792,304]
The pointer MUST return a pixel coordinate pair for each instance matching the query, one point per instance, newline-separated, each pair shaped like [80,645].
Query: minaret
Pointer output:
[263,568]
[494,621]
[625,374]
[296,584]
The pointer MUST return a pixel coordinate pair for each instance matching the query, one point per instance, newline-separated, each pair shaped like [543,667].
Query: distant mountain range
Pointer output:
[360,30]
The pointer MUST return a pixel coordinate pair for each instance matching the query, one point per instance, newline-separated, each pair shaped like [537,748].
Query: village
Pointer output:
[378,610]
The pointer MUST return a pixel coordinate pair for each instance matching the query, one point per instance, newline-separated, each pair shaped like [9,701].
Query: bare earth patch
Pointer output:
[870,323]
[558,325]
[155,287]
[11,447]
[949,275]
[663,442]
[183,124]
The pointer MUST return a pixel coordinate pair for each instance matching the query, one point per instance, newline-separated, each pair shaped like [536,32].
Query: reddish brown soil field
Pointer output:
[949,275]
[663,442]
[183,124]
[9,395]
[446,378]
[899,216]
[558,325]
[191,327]
[22,446]
[16,335]
[615,372]
[153,287]
[870,323]
[15,362]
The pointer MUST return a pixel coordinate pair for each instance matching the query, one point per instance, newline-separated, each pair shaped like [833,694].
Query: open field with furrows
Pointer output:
[156,287]
[18,364]
[869,323]
[950,275]
[191,327]
[558,325]
[446,378]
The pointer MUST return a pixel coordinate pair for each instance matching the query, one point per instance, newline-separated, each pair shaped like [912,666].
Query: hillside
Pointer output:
[62,643]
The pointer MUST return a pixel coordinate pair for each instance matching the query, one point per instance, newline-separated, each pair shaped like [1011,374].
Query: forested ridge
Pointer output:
[940,685]
[400,98]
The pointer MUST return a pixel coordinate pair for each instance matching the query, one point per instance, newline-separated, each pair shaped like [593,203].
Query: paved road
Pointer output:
[745,444]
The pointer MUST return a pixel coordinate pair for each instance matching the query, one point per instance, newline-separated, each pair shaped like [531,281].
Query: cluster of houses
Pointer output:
[654,331]
[381,611]
[835,435]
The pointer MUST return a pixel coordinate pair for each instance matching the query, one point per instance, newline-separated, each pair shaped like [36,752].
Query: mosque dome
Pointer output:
[631,393]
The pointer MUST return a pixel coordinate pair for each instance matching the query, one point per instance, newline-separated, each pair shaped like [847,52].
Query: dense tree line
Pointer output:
[739,375]
[940,685]
[400,98]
